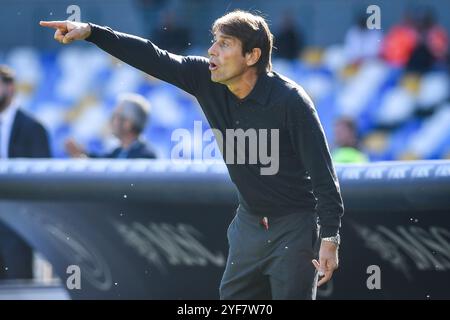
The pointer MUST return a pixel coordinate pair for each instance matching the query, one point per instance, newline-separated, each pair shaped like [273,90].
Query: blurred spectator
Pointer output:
[362,43]
[346,143]
[432,44]
[170,35]
[21,136]
[128,121]
[436,36]
[400,41]
[289,41]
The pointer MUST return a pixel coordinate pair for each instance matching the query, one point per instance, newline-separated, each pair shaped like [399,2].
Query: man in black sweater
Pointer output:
[273,235]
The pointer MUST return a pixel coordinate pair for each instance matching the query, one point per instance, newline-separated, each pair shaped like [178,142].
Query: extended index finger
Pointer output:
[53,24]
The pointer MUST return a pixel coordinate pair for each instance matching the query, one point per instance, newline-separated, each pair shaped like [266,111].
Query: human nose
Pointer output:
[212,50]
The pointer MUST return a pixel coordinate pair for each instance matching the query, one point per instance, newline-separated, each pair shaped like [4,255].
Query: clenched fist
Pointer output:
[68,31]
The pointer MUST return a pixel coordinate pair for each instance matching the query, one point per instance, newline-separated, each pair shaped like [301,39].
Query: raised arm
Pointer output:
[185,72]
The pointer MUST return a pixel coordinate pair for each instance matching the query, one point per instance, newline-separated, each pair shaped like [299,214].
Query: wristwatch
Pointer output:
[336,239]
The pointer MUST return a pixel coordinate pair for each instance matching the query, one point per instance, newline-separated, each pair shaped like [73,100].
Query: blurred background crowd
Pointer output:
[382,94]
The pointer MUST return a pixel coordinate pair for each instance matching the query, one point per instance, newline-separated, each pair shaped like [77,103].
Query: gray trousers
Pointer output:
[271,263]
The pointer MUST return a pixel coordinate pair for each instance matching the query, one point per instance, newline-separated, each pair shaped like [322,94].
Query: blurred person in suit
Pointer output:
[128,121]
[21,136]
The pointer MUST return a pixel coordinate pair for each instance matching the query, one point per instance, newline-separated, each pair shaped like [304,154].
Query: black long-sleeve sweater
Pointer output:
[305,180]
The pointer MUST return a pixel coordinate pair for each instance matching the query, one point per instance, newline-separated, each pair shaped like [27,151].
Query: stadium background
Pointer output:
[72,89]
[402,112]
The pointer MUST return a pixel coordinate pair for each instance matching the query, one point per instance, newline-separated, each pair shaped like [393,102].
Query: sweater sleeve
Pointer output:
[309,142]
[185,72]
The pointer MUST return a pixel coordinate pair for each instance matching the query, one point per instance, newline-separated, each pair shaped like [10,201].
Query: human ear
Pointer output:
[253,56]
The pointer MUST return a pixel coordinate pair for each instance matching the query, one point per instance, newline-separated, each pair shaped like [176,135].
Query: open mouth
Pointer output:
[213,66]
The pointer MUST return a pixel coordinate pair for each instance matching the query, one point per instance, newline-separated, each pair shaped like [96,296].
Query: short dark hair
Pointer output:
[6,74]
[253,32]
